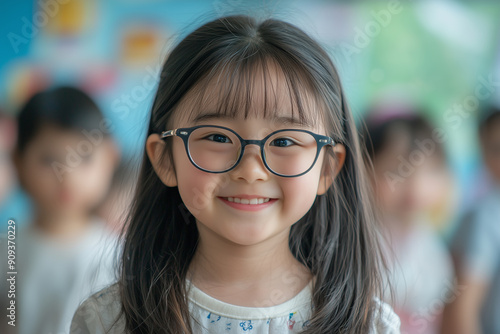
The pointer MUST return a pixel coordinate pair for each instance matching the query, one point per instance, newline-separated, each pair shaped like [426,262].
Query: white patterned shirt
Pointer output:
[97,315]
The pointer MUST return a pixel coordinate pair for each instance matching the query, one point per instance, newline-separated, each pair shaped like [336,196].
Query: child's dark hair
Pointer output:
[337,239]
[68,108]
[380,132]
[490,115]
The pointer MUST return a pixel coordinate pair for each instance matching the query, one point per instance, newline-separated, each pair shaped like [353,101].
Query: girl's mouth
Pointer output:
[252,204]
[252,201]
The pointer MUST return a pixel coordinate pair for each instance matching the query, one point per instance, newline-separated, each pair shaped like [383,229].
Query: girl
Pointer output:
[252,212]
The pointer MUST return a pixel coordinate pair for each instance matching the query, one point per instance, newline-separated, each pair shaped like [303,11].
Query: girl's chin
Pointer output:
[254,236]
[246,235]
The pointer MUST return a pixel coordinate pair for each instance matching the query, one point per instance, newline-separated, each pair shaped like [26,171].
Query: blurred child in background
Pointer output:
[7,139]
[65,159]
[13,201]
[476,249]
[410,177]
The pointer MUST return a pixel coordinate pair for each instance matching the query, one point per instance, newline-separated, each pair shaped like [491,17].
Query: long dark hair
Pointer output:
[336,239]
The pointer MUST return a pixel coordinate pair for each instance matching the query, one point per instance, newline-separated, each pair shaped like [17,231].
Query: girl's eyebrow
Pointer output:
[278,119]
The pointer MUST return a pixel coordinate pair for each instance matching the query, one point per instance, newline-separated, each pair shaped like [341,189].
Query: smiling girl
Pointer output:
[252,211]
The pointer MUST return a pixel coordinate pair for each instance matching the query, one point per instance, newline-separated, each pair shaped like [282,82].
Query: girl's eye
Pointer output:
[282,142]
[219,138]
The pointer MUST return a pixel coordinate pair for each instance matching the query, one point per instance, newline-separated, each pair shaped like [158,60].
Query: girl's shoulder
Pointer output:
[385,320]
[100,313]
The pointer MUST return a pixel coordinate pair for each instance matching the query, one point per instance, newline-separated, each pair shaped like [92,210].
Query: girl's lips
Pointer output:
[255,200]
[248,207]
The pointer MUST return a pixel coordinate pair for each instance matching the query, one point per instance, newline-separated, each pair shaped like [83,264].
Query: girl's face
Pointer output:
[206,195]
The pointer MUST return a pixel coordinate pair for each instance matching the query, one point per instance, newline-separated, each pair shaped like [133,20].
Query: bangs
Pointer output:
[255,84]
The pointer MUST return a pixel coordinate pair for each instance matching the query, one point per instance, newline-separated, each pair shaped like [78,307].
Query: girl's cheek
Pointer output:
[198,189]
[299,195]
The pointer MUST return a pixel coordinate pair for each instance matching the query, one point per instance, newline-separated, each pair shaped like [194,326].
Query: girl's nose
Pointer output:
[251,168]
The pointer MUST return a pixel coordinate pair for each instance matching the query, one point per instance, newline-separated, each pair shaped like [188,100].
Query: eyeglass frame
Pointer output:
[184,134]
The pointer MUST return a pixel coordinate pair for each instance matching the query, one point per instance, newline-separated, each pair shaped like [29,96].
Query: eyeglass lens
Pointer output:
[286,152]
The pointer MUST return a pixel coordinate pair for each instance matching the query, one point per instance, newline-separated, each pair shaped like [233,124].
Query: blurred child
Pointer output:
[476,249]
[65,159]
[7,138]
[13,201]
[410,177]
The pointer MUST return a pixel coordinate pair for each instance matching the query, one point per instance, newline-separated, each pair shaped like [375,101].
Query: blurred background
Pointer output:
[438,59]
[431,53]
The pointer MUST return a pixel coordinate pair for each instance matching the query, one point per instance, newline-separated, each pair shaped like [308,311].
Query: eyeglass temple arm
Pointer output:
[327,141]
[168,133]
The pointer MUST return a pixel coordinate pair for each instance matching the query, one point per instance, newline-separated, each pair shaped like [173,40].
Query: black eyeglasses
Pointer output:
[217,149]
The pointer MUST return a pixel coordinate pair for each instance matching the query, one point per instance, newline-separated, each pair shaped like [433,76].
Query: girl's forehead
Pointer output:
[258,92]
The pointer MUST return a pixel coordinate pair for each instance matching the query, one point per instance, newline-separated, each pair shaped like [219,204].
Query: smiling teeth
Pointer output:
[248,201]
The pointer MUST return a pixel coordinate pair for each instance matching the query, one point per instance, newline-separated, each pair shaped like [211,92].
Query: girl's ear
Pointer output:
[155,148]
[331,167]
